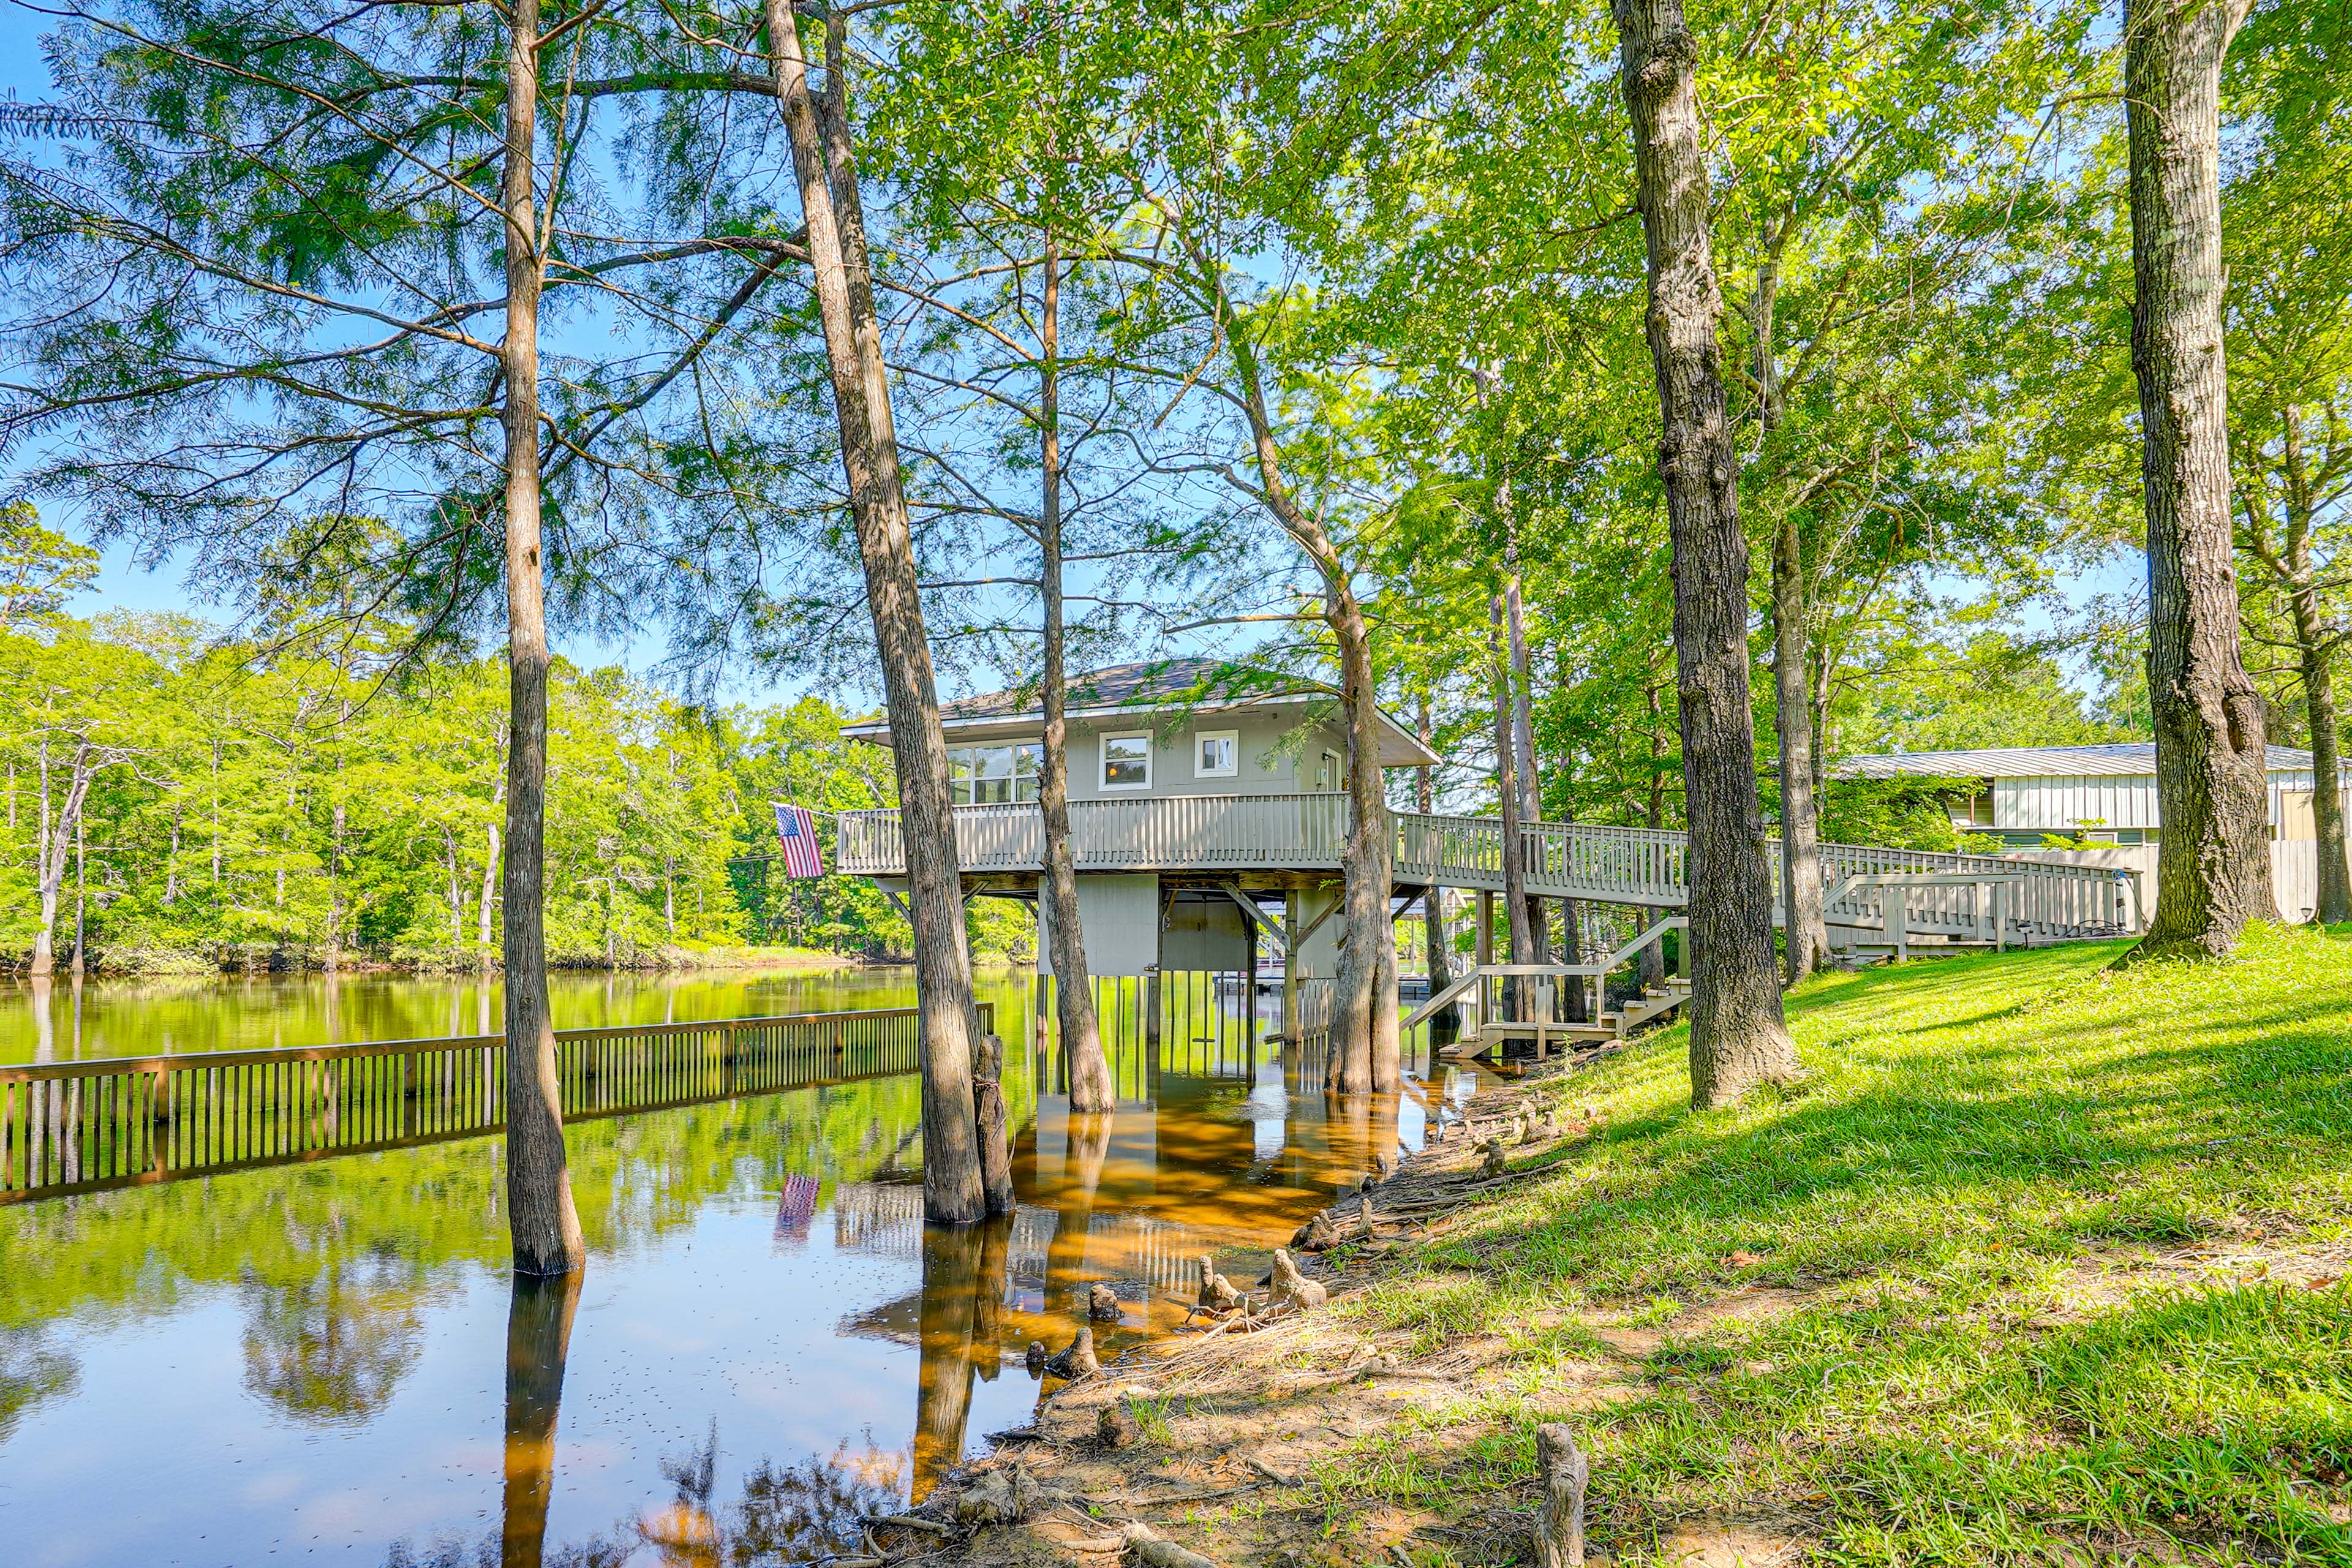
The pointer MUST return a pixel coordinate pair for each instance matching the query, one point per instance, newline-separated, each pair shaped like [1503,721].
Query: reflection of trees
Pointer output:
[634,1178]
[1066,1277]
[963,1292]
[329,1350]
[539,1337]
[30,1372]
[788,1514]
[791,1513]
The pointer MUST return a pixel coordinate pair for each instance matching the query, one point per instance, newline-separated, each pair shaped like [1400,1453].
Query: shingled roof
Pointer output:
[1150,685]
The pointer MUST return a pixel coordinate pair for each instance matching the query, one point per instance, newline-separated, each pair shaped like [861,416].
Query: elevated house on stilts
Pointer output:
[1209,817]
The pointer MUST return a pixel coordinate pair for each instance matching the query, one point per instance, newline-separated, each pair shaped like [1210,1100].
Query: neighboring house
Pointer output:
[2106,793]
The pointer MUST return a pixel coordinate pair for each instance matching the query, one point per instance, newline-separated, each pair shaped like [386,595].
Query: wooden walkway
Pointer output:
[1950,897]
[82,1127]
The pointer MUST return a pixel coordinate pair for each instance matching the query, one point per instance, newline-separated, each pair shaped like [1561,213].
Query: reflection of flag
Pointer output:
[797,1208]
[796,829]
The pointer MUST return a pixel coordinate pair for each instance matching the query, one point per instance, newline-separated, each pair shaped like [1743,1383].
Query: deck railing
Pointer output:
[1977,898]
[78,1126]
[1629,866]
[1152,833]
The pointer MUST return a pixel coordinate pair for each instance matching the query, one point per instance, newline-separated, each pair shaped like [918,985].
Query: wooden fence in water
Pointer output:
[79,1127]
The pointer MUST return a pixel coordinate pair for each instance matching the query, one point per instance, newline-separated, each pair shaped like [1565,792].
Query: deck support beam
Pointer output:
[1291,938]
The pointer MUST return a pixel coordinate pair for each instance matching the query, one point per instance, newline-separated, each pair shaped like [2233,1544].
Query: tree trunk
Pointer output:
[293,804]
[2214,871]
[988,1110]
[1432,902]
[1737,1036]
[56,835]
[1369,1054]
[171,865]
[81,897]
[456,896]
[540,1213]
[1518,908]
[1523,731]
[953,1188]
[482,917]
[335,881]
[1364,1010]
[1805,926]
[1091,1086]
[2315,653]
[2318,659]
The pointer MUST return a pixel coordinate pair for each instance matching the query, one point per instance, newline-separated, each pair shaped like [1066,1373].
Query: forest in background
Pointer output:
[243,806]
[247,806]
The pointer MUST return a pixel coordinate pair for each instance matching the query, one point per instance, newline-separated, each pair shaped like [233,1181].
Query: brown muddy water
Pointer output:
[327,1362]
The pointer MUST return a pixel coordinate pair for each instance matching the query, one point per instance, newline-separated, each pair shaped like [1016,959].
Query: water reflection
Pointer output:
[538,1339]
[152,1015]
[329,1349]
[960,1319]
[770,1341]
[1086,1143]
[31,1371]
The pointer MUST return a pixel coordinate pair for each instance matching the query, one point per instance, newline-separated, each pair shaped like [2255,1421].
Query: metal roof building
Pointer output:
[2105,791]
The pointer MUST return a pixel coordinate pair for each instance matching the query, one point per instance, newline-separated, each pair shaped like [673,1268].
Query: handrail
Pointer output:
[1444,998]
[99,1067]
[1593,971]
[86,1126]
[1630,866]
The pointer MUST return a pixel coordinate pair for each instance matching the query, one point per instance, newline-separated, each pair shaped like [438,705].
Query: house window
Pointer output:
[1327,773]
[993,775]
[1217,753]
[1127,760]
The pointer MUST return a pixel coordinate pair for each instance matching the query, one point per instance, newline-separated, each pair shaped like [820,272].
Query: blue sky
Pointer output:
[123,585]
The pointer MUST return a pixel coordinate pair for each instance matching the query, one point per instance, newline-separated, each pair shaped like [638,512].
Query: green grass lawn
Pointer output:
[2063,1244]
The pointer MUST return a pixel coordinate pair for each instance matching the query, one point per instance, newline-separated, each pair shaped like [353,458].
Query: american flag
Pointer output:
[795,1208]
[796,829]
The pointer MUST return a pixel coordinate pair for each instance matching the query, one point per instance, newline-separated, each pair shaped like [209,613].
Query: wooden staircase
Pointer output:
[1615,1024]
[1495,1030]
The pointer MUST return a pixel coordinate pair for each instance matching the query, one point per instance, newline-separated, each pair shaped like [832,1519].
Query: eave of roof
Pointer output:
[2127,758]
[1400,748]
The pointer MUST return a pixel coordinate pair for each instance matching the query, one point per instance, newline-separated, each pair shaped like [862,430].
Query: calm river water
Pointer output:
[327,1361]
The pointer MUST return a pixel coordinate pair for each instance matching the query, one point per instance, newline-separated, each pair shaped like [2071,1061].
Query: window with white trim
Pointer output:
[993,775]
[1217,753]
[1127,760]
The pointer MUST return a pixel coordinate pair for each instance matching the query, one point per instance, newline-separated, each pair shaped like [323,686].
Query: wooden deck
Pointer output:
[86,1126]
[1921,895]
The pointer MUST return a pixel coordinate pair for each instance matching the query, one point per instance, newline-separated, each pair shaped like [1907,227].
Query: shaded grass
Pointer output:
[1957,1384]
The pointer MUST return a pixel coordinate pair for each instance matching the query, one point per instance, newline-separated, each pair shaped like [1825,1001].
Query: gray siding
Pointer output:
[2118,800]
[1265,766]
[1118,921]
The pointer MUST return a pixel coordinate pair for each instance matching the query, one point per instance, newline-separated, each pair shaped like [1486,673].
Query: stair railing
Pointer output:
[1494,1002]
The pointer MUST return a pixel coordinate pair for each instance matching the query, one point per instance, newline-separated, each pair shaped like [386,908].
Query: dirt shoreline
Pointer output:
[1232,1423]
